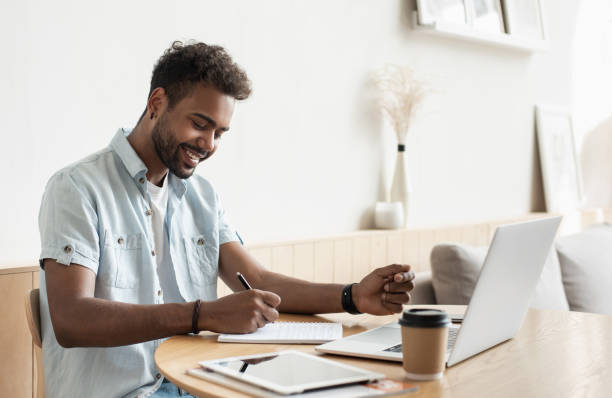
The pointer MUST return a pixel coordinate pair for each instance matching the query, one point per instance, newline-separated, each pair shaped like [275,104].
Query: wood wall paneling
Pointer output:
[362,257]
[379,251]
[36,280]
[469,235]
[394,248]
[441,236]
[282,259]
[426,243]
[343,260]
[324,261]
[303,261]
[410,242]
[483,236]
[455,234]
[16,355]
[263,255]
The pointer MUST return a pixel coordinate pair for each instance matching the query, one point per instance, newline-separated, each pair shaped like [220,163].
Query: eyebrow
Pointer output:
[209,120]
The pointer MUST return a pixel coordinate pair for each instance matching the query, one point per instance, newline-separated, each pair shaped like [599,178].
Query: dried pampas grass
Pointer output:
[400,95]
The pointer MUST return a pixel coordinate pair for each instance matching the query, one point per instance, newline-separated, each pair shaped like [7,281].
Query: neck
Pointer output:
[140,140]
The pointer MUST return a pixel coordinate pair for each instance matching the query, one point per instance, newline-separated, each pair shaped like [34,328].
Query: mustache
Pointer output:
[195,149]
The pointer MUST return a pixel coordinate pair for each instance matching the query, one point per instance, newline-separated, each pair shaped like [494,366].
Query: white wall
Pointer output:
[591,66]
[307,153]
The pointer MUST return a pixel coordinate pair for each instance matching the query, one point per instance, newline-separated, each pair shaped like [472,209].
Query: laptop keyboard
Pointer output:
[452,337]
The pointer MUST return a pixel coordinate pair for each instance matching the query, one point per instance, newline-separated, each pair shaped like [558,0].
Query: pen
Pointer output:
[243,281]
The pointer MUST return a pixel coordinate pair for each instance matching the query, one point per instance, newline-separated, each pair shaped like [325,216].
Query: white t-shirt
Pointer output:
[165,269]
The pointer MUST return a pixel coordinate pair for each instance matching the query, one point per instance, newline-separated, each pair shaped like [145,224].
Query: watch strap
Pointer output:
[347,300]
[195,317]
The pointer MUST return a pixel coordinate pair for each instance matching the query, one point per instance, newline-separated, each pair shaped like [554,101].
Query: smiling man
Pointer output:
[133,244]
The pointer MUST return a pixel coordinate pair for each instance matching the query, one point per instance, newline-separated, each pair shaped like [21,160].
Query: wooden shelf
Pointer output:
[19,268]
[469,34]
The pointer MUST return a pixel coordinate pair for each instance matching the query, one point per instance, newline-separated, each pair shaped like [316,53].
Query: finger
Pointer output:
[394,287]
[393,308]
[389,270]
[403,276]
[397,298]
[272,299]
[252,326]
[261,322]
[270,314]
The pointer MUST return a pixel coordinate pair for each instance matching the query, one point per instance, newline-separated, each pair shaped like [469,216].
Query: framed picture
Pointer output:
[486,15]
[452,12]
[524,19]
[558,160]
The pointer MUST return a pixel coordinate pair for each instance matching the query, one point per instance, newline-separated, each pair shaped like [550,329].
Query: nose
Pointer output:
[206,142]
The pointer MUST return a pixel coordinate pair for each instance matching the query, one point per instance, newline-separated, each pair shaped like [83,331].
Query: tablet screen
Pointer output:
[288,370]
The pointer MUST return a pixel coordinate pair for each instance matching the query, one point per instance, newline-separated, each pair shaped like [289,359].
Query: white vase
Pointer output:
[401,188]
[389,215]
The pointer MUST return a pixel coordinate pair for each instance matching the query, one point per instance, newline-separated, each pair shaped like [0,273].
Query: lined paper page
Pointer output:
[289,333]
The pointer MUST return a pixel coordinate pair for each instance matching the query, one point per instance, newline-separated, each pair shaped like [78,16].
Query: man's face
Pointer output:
[190,132]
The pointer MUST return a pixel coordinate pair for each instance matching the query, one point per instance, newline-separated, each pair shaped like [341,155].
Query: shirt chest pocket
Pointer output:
[121,260]
[202,258]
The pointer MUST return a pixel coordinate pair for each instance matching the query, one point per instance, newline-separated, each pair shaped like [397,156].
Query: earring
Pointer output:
[152,115]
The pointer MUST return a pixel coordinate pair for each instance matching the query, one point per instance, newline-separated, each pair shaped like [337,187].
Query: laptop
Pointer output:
[507,280]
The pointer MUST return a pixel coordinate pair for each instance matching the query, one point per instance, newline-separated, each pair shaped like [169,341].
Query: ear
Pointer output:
[157,103]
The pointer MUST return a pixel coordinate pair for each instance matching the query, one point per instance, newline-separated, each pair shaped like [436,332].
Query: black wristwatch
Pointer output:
[347,299]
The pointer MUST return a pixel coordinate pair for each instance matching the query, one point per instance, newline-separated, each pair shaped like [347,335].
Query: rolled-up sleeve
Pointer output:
[68,224]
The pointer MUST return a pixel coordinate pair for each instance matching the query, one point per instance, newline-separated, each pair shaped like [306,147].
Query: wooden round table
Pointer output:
[556,353]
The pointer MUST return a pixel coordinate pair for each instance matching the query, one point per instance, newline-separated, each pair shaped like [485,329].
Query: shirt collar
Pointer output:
[135,166]
[132,162]
[178,184]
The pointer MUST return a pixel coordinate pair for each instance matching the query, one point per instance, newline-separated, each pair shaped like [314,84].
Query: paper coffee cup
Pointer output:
[424,339]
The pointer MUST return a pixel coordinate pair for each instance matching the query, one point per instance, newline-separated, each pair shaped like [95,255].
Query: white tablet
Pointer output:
[289,372]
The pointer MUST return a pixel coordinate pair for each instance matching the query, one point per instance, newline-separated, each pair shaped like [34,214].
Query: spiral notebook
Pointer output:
[288,333]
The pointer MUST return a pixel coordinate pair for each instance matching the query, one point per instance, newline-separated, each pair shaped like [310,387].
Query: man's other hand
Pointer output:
[384,290]
[242,312]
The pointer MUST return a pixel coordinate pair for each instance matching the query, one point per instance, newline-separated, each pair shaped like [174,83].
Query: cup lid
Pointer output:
[425,318]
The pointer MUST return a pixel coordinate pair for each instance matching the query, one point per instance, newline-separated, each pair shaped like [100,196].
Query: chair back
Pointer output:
[32,309]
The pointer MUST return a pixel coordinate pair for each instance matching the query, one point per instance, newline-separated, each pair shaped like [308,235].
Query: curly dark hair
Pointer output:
[184,65]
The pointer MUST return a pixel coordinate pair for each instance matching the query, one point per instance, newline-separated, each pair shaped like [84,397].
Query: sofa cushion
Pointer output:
[455,270]
[586,267]
[423,292]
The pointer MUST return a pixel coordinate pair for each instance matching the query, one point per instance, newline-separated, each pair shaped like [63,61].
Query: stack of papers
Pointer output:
[289,333]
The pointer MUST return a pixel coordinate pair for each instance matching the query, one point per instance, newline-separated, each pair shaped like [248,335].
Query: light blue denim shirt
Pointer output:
[96,213]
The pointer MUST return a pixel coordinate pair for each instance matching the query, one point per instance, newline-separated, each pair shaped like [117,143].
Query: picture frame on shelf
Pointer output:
[451,12]
[561,174]
[524,19]
[486,16]
[483,21]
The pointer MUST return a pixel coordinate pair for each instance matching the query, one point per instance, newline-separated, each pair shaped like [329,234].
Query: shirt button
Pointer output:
[67,249]
[158,376]
[159,292]
[120,241]
[141,180]
[152,252]
[148,212]
[200,242]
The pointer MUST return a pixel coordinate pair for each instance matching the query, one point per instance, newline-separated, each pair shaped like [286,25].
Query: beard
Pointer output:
[167,149]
